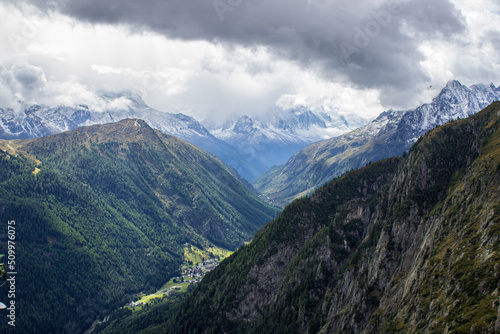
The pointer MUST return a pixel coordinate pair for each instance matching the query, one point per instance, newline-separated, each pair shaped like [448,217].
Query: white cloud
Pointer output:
[70,93]
[119,103]
[340,98]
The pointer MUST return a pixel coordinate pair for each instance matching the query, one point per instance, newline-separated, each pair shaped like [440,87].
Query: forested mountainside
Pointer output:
[392,133]
[106,211]
[403,245]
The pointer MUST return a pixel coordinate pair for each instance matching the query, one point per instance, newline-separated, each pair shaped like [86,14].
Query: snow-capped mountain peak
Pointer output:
[388,135]
[244,125]
[454,101]
[272,139]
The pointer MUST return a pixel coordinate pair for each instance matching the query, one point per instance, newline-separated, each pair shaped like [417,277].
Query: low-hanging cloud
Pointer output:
[24,84]
[373,44]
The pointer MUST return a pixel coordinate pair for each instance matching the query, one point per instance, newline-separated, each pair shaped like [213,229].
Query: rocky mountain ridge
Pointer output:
[392,133]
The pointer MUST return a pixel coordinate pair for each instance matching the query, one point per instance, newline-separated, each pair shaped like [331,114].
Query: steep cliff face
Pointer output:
[435,266]
[448,276]
[405,245]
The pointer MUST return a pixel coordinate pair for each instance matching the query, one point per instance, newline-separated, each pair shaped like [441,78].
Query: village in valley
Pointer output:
[191,274]
[197,272]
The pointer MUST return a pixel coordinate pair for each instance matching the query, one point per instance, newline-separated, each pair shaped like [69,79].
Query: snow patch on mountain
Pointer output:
[277,136]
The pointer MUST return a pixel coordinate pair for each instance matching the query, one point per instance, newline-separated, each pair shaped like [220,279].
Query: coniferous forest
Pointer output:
[403,245]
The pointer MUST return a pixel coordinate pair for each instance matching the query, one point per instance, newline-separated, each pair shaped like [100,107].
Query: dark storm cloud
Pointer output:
[371,43]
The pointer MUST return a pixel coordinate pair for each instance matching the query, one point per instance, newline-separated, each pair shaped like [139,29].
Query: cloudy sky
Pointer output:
[214,59]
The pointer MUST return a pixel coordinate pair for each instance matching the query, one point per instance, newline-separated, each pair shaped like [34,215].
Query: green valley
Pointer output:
[108,211]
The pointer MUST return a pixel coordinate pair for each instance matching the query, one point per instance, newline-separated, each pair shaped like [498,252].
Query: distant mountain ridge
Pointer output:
[392,133]
[250,146]
[454,101]
[38,121]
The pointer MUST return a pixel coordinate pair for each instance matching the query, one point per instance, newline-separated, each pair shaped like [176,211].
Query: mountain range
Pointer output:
[403,245]
[272,139]
[249,146]
[107,211]
[255,145]
[34,121]
[392,133]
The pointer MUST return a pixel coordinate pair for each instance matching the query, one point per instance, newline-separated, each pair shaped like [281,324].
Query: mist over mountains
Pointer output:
[273,139]
[255,145]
